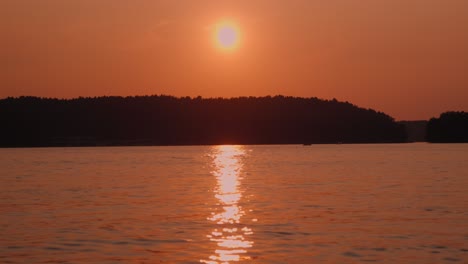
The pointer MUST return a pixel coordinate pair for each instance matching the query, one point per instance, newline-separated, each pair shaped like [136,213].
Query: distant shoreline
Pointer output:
[233,144]
[171,121]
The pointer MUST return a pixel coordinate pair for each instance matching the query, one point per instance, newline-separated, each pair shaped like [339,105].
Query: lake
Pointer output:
[386,203]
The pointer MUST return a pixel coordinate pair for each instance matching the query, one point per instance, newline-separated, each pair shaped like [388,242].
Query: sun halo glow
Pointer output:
[227,36]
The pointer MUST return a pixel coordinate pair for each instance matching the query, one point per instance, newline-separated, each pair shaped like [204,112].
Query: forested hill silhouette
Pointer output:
[450,127]
[167,120]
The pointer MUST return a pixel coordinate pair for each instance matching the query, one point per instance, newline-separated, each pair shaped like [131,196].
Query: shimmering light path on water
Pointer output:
[235,204]
[230,232]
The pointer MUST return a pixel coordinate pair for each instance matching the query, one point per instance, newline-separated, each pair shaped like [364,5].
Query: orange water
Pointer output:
[403,203]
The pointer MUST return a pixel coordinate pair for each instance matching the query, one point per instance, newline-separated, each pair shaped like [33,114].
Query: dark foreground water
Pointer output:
[235,204]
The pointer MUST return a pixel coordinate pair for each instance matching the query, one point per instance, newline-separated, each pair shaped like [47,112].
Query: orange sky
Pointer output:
[408,58]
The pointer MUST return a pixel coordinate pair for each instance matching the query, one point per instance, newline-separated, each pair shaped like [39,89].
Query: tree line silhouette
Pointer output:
[167,120]
[450,127]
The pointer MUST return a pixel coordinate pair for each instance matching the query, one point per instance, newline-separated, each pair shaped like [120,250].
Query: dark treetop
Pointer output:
[450,127]
[167,120]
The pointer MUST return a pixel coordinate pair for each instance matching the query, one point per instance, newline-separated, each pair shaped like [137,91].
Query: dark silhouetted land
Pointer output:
[167,120]
[415,130]
[450,127]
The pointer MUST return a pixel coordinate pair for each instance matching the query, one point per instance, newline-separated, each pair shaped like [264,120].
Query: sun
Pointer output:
[227,36]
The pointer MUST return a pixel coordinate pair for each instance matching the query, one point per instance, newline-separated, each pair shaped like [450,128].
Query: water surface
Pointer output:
[405,203]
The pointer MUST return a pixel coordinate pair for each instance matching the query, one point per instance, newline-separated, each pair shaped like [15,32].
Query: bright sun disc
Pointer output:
[227,36]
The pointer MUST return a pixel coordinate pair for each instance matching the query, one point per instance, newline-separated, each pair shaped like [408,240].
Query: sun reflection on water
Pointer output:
[230,234]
